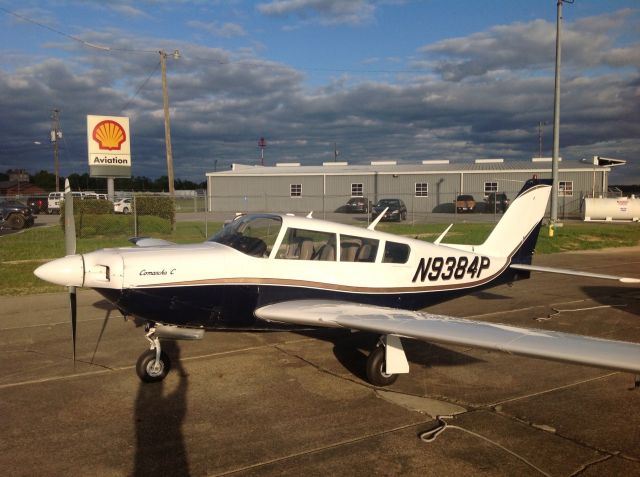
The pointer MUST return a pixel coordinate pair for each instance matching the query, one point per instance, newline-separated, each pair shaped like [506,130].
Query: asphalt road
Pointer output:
[293,404]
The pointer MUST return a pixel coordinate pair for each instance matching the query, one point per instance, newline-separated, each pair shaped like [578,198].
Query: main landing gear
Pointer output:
[386,361]
[376,367]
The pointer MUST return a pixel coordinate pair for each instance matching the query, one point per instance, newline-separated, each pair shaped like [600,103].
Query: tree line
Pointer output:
[47,181]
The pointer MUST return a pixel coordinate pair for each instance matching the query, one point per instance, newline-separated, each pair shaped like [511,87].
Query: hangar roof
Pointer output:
[389,167]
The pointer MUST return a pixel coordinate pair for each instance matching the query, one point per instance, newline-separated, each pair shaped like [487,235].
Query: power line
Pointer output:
[71,37]
[142,85]
[208,60]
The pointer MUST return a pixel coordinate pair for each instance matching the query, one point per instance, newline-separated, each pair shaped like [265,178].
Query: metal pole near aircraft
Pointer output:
[556,121]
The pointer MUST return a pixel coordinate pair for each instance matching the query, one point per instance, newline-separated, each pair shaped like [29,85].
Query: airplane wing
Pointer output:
[554,345]
[565,271]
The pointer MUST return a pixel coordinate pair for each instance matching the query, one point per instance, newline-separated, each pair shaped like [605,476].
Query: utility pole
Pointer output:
[167,123]
[55,135]
[556,121]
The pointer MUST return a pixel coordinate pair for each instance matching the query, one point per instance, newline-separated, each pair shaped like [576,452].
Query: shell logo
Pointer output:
[109,135]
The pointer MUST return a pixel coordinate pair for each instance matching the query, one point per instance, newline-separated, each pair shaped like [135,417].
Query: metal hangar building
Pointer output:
[426,187]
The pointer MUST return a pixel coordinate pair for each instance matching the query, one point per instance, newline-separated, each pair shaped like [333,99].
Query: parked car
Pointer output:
[496,202]
[53,202]
[15,214]
[123,206]
[358,205]
[465,203]
[397,210]
[38,205]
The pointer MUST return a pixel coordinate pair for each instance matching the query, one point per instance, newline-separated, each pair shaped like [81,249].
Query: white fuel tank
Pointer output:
[619,208]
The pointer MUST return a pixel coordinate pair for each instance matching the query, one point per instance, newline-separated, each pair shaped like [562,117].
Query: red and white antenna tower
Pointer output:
[262,143]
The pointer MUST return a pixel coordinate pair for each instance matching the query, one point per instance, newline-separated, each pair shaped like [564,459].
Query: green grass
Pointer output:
[23,252]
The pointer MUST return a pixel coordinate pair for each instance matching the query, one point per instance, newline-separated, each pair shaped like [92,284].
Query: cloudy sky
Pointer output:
[382,79]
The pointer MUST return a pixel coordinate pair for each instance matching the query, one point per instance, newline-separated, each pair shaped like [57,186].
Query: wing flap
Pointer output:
[553,345]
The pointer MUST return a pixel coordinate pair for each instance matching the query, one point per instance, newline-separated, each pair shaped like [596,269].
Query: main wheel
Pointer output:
[375,369]
[125,211]
[16,221]
[147,369]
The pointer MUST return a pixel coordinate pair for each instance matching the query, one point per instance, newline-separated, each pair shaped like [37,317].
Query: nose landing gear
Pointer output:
[154,364]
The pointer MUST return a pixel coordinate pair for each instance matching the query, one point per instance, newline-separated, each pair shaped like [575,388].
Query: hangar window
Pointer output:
[490,187]
[357,190]
[295,190]
[565,188]
[422,189]
[395,252]
[357,249]
[301,244]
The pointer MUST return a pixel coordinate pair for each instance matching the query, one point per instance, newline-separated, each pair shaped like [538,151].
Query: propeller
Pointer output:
[70,249]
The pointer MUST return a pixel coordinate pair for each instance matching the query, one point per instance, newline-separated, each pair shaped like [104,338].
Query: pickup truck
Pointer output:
[15,215]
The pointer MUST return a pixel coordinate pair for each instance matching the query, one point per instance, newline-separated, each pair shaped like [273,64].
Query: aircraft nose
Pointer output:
[67,271]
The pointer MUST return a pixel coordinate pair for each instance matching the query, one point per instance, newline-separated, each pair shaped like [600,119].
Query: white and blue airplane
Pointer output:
[278,271]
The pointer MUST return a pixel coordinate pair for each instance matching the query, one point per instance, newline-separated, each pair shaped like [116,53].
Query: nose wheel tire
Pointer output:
[375,368]
[151,371]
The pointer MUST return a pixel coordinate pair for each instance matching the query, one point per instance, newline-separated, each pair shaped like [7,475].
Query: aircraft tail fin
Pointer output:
[517,232]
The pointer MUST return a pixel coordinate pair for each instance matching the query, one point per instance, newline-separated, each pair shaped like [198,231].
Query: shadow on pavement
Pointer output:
[159,415]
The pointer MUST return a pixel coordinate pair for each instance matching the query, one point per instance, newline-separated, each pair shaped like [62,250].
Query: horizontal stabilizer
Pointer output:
[565,271]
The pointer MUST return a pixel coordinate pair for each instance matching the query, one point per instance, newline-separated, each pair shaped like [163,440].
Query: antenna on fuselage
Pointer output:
[373,224]
[439,239]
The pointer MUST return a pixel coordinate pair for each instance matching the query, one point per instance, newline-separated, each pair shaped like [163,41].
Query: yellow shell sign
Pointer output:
[109,146]
[109,134]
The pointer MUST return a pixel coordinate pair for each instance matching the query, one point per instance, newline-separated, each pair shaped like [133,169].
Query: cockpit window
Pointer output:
[301,244]
[395,252]
[357,249]
[253,235]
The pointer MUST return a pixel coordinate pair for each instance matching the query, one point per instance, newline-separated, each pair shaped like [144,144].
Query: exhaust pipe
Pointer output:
[171,332]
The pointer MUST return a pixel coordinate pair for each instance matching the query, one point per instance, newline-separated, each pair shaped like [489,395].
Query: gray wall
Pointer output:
[328,192]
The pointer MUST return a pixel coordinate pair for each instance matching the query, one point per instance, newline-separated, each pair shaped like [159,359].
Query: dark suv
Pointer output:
[38,205]
[397,210]
[15,215]
[358,204]
[496,202]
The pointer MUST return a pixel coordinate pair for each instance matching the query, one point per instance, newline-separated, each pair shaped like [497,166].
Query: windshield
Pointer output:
[253,234]
[387,202]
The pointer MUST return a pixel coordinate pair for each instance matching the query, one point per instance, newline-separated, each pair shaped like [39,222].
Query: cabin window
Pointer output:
[490,187]
[253,235]
[357,190]
[301,244]
[565,188]
[396,252]
[357,249]
[295,190]
[422,189]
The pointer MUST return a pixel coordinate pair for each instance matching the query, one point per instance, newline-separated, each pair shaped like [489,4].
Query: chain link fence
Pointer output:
[208,211]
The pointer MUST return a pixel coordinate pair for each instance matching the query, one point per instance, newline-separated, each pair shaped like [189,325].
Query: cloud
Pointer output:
[587,43]
[128,10]
[328,11]
[225,30]
[223,100]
